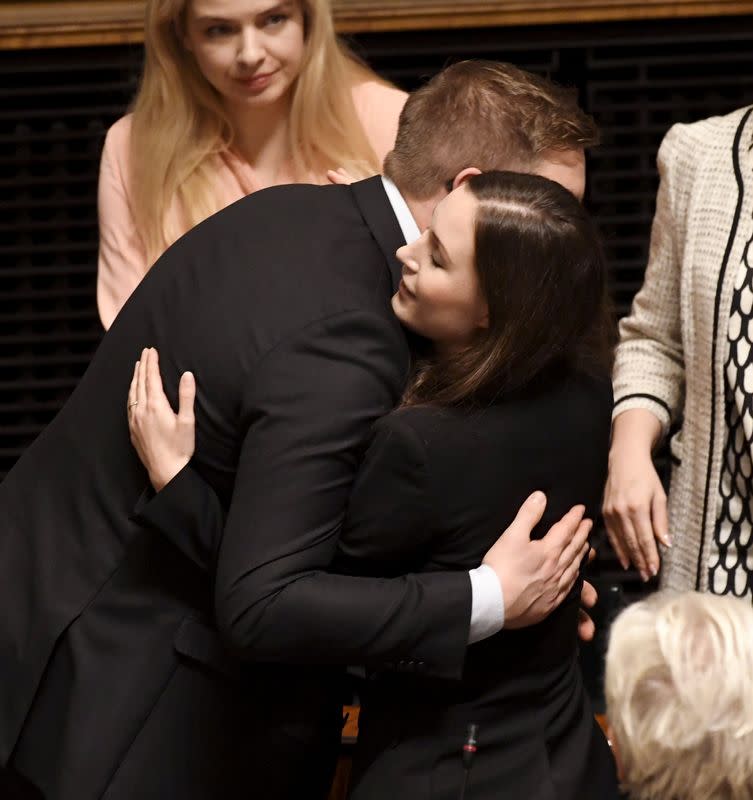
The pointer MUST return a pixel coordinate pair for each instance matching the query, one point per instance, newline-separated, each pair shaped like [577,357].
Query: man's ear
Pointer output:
[463,176]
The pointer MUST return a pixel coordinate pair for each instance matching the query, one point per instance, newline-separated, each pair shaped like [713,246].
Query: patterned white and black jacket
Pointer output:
[673,345]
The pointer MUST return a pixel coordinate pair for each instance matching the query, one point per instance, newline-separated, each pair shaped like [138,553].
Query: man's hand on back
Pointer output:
[537,575]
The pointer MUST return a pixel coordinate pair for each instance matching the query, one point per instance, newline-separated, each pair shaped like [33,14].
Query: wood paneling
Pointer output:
[64,23]
[363,15]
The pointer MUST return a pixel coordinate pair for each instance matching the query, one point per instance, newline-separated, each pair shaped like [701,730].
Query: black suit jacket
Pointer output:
[114,680]
[435,488]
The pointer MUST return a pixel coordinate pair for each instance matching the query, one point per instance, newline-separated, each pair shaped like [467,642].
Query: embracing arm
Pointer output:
[308,410]
[536,574]
[188,512]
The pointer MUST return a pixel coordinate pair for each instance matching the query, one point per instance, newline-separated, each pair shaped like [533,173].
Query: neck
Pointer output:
[422,210]
[261,139]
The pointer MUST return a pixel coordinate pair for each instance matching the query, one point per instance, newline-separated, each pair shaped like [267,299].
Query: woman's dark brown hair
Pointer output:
[542,272]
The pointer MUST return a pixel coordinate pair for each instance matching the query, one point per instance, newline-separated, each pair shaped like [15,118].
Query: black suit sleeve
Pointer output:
[186,511]
[307,410]
[390,519]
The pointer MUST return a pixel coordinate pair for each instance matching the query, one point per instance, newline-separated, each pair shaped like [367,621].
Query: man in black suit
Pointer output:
[115,680]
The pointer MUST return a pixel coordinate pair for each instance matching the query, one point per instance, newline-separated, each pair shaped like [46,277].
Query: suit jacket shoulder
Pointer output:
[440,484]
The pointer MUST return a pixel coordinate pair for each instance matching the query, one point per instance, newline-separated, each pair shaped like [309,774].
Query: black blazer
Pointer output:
[114,681]
[435,489]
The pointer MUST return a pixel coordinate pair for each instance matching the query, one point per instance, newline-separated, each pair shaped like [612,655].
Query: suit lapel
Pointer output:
[377,212]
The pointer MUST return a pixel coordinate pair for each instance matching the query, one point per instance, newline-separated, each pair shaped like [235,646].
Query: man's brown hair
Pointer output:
[483,114]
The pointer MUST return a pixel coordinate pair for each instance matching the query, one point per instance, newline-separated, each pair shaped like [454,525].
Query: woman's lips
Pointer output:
[257,83]
[404,290]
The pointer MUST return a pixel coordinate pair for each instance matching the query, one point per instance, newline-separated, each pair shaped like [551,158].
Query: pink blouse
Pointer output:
[122,254]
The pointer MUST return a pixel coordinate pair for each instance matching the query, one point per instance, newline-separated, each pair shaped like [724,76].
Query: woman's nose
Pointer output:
[407,258]
[250,49]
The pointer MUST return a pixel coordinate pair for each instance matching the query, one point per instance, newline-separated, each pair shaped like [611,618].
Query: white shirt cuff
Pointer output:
[487,604]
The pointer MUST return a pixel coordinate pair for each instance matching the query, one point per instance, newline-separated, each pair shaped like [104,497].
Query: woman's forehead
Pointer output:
[239,8]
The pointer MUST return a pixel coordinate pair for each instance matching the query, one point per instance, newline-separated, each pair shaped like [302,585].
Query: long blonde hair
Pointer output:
[179,124]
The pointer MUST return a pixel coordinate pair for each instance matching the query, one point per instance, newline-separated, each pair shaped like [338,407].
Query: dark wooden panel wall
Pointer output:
[66,23]
[636,77]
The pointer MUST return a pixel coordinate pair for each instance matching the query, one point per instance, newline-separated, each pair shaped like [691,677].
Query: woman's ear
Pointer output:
[463,176]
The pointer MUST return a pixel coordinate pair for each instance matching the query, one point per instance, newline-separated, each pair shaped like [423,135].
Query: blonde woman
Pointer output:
[680,699]
[236,95]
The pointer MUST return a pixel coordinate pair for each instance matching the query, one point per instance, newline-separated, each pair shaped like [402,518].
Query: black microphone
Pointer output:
[469,751]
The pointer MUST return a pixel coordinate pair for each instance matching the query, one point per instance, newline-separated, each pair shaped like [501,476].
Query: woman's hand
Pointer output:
[340,176]
[164,440]
[635,503]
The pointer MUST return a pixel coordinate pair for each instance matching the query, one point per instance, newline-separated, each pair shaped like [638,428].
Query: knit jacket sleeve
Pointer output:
[649,369]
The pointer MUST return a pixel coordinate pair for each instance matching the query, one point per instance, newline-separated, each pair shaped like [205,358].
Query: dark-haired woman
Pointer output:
[507,287]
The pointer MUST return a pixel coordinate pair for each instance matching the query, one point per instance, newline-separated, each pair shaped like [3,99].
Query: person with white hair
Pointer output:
[680,698]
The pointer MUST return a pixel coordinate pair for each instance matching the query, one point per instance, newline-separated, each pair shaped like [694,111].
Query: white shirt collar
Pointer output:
[402,212]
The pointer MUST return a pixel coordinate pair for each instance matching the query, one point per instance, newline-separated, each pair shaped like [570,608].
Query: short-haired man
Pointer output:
[487,115]
[115,681]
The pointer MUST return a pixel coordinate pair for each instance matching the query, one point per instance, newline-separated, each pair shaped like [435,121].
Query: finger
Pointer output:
[591,554]
[338,177]
[644,533]
[132,388]
[586,627]
[562,533]
[572,568]
[659,518]
[141,381]
[588,595]
[615,536]
[528,516]
[154,392]
[571,560]
[576,549]
[186,398]
[567,580]
[631,543]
